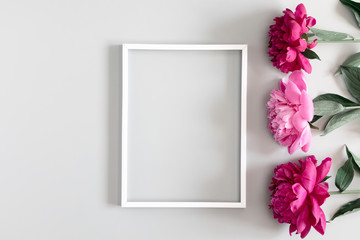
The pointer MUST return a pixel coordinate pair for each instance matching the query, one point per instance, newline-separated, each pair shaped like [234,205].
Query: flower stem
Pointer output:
[352,107]
[345,192]
[339,41]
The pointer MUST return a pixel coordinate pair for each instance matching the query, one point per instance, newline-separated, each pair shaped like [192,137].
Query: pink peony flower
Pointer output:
[287,42]
[290,110]
[298,193]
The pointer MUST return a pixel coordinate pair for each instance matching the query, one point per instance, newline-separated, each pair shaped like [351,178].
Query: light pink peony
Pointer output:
[298,193]
[290,110]
[287,42]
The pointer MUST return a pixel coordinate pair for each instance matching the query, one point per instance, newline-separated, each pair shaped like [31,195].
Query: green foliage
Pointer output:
[355,159]
[341,110]
[327,108]
[343,179]
[354,7]
[344,175]
[310,54]
[330,35]
[326,178]
[336,98]
[347,208]
[352,61]
[351,76]
[341,119]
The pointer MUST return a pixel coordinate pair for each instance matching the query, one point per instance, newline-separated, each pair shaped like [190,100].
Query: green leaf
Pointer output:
[326,178]
[341,119]
[308,35]
[313,126]
[330,35]
[305,36]
[327,108]
[315,118]
[336,98]
[355,160]
[352,61]
[357,16]
[310,54]
[351,76]
[347,208]
[344,175]
[356,166]
[354,7]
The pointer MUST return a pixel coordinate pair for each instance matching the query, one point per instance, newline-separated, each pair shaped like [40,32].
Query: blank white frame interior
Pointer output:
[242,125]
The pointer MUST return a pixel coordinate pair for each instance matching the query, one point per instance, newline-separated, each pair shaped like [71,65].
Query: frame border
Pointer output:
[124,127]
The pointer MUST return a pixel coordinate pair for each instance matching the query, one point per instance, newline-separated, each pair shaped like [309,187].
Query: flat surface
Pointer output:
[184,125]
[59,101]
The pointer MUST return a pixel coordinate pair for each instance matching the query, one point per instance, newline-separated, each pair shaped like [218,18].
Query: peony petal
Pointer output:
[292,93]
[294,146]
[298,122]
[323,169]
[303,23]
[306,231]
[315,210]
[308,176]
[300,11]
[300,45]
[307,106]
[301,195]
[320,227]
[304,62]
[313,159]
[306,147]
[293,66]
[283,84]
[291,54]
[294,167]
[303,219]
[294,30]
[312,45]
[289,14]
[292,228]
[299,79]
[305,139]
[311,21]
[320,192]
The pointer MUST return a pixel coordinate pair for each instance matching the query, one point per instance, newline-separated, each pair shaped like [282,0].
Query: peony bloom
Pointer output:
[290,110]
[297,194]
[287,42]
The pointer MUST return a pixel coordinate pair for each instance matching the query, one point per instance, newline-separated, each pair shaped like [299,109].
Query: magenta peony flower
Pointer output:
[287,42]
[298,193]
[290,110]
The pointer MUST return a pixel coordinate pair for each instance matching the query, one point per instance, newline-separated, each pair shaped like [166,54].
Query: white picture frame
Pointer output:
[124,125]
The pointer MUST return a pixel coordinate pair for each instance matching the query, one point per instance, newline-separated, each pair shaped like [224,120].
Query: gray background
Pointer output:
[59,101]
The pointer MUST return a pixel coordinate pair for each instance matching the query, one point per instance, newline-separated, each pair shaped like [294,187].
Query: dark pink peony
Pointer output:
[290,110]
[286,42]
[297,194]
